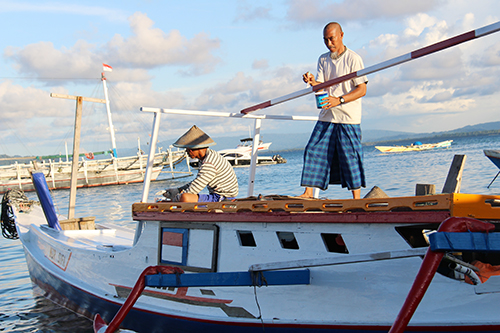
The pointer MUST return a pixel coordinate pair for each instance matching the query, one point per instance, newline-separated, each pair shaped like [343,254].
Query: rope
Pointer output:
[258,307]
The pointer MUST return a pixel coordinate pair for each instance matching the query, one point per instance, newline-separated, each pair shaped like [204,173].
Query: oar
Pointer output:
[489,29]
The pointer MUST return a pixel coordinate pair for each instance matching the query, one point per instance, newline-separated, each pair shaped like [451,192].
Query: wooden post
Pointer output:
[425,189]
[454,179]
[76,154]
[76,146]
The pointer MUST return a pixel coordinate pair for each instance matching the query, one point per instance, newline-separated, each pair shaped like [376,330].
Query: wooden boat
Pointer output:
[272,263]
[278,263]
[417,146]
[494,156]
[91,172]
[351,262]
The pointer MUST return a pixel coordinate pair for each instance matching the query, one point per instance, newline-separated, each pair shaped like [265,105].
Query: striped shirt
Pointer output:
[216,174]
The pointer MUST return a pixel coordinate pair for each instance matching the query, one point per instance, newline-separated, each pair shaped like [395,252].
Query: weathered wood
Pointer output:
[85,99]
[376,192]
[82,223]
[454,179]
[425,189]
[76,152]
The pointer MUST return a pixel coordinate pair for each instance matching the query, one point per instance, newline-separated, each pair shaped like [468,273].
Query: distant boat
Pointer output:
[417,146]
[247,144]
[242,155]
[238,158]
[494,156]
[91,171]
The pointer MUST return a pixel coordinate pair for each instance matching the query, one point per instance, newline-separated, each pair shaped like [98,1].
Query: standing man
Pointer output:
[215,173]
[334,154]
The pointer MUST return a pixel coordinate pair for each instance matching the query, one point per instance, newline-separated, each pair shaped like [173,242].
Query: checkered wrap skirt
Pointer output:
[334,155]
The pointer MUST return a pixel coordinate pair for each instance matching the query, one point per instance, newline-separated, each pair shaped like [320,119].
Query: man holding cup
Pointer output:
[334,154]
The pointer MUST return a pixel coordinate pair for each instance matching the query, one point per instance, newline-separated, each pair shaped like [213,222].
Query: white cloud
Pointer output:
[146,48]
[150,47]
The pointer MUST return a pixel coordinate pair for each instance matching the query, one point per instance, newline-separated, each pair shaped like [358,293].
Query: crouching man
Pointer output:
[214,171]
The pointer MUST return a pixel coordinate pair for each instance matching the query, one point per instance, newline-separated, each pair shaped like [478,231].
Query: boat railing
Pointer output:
[257,126]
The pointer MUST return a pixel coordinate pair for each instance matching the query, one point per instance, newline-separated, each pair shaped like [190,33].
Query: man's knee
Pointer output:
[188,197]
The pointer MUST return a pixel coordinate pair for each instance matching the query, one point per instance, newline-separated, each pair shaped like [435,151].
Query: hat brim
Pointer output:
[194,138]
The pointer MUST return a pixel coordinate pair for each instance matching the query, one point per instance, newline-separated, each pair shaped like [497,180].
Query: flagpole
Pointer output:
[489,29]
[107,68]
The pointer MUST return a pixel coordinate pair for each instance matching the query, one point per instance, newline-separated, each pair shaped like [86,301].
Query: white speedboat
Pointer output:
[242,155]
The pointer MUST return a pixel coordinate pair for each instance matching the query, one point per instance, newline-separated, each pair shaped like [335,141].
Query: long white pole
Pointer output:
[108,111]
[253,161]
[151,156]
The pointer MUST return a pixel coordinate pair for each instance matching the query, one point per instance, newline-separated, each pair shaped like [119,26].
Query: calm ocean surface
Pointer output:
[22,310]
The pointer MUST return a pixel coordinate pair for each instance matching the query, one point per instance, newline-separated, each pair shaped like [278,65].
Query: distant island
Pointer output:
[371,137]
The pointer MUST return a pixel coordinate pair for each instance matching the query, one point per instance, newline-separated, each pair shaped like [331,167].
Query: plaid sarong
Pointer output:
[334,155]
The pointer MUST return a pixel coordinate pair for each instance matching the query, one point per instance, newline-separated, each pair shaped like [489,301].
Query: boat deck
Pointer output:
[103,238]
[293,209]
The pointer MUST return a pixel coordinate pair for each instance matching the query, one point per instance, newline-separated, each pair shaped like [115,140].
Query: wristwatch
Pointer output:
[342,100]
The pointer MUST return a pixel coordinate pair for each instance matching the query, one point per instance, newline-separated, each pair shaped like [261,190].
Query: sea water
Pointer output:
[23,310]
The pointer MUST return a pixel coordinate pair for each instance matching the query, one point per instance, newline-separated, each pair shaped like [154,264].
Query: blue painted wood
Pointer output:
[229,279]
[43,193]
[465,241]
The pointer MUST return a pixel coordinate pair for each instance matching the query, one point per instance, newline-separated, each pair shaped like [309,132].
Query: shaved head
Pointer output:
[332,25]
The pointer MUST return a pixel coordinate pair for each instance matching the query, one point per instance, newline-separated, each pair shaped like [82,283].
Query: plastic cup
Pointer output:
[320,102]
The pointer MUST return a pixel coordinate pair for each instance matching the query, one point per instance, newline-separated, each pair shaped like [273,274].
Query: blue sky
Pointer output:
[228,55]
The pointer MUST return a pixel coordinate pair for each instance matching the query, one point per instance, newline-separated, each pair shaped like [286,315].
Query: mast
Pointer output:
[108,111]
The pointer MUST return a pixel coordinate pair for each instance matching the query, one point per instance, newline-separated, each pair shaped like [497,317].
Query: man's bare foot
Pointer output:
[308,193]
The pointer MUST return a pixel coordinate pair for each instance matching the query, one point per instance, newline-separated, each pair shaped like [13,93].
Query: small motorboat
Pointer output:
[416,146]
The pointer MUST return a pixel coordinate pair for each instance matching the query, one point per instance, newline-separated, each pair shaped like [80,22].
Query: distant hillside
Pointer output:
[392,136]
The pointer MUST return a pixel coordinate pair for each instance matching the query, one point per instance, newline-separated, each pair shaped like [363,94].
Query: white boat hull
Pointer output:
[92,271]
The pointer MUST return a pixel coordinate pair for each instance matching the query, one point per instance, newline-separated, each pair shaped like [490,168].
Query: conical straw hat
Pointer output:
[195,138]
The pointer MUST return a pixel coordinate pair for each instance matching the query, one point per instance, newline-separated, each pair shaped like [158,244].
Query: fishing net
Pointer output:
[21,202]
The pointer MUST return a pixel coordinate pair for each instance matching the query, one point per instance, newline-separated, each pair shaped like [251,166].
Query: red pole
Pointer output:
[429,267]
[132,298]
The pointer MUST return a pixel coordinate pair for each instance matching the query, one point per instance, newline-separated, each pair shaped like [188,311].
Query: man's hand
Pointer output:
[309,78]
[171,193]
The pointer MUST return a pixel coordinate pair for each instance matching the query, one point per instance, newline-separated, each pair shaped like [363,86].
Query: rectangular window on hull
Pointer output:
[246,238]
[334,243]
[193,247]
[287,240]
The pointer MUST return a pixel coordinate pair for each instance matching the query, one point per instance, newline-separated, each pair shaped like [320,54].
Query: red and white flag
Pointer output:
[107,68]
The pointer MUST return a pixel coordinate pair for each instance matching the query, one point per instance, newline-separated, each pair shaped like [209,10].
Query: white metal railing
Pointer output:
[257,125]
